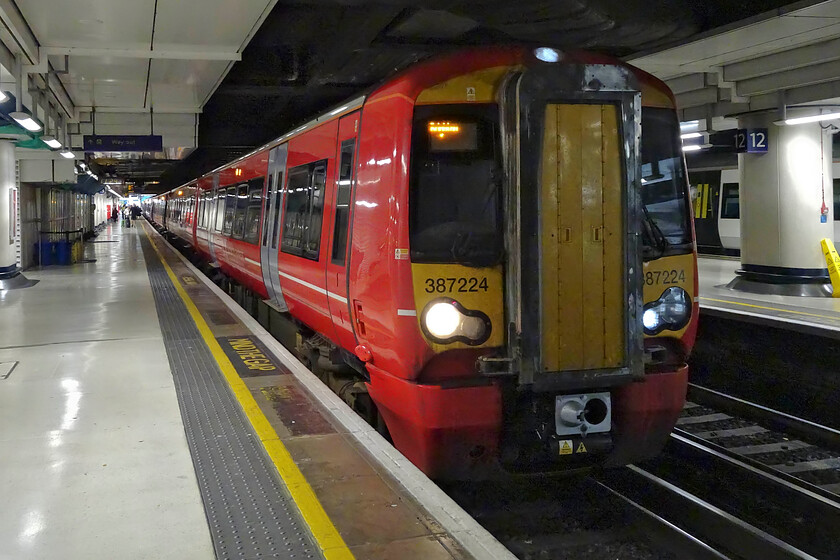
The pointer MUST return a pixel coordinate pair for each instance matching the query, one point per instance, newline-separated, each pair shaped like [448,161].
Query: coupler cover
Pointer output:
[587,413]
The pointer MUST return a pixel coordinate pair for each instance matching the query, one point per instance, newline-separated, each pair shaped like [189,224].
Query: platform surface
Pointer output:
[809,314]
[102,453]
[93,458]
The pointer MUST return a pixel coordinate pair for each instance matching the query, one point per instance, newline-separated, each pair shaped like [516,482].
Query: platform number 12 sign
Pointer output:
[751,140]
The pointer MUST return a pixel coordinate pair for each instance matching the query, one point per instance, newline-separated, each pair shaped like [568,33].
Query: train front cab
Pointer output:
[553,255]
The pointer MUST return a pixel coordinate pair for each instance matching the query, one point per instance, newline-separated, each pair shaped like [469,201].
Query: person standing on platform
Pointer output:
[135,212]
[127,215]
[115,214]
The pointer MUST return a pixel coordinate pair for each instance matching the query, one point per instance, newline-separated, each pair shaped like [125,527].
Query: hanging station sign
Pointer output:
[751,140]
[99,143]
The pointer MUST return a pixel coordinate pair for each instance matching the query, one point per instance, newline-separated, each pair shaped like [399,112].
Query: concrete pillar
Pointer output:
[7,181]
[782,196]
[10,276]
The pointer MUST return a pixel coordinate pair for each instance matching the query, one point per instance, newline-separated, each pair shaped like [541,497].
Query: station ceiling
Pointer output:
[219,77]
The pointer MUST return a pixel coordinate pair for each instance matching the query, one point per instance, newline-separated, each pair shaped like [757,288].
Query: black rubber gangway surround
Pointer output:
[249,511]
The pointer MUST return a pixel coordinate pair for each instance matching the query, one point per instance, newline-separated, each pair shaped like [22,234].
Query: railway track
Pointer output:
[748,481]
[736,481]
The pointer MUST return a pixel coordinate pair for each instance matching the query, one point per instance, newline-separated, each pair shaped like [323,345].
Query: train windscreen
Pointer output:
[666,227]
[455,197]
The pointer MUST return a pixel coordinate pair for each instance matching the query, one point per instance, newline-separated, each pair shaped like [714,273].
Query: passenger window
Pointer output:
[342,202]
[731,204]
[238,230]
[252,213]
[230,208]
[304,210]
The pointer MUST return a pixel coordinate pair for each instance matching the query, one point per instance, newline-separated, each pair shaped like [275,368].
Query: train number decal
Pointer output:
[664,277]
[460,285]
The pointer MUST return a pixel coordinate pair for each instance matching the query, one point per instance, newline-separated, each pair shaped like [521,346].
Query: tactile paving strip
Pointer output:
[250,512]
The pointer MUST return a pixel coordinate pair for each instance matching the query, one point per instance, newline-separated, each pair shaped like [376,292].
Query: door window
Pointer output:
[342,202]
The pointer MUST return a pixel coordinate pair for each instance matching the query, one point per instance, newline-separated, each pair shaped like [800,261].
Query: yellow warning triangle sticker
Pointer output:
[581,448]
[566,447]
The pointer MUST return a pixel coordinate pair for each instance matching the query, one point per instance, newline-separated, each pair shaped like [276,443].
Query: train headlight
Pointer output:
[445,320]
[670,312]
[442,319]
[547,54]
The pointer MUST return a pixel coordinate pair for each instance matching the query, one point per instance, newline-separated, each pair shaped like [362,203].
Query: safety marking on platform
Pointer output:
[189,280]
[248,356]
[6,369]
[566,447]
[581,448]
[323,530]
[835,319]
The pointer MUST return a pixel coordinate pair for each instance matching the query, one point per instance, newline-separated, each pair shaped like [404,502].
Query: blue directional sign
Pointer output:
[99,143]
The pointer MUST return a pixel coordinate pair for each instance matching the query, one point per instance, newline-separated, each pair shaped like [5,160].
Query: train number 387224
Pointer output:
[448,285]
[664,277]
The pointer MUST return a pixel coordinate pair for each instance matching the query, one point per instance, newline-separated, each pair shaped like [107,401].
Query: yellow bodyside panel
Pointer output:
[582,244]
[478,87]
[465,285]
[664,273]
[653,97]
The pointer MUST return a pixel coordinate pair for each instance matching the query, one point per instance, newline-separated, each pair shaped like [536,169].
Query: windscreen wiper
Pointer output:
[652,233]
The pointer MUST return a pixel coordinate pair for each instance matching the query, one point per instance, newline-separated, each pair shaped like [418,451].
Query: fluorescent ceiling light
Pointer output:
[26,121]
[812,118]
[67,154]
[3,96]
[692,148]
[689,124]
[688,135]
[51,141]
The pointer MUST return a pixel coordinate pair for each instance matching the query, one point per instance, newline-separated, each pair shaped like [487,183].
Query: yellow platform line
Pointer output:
[325,533]
[772,308]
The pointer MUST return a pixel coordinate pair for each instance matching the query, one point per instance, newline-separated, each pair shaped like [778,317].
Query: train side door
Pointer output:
[336,280]
[269,242]
[212,232]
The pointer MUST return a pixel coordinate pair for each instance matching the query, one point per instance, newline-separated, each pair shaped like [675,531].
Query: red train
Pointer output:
[483,255]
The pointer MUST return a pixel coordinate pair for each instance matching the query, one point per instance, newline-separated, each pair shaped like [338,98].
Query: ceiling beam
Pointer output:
[785,60]
[168,54]
[19,30]
[788,79]
[697,97]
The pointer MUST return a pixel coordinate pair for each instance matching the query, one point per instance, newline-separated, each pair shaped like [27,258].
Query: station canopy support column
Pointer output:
[786,204]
